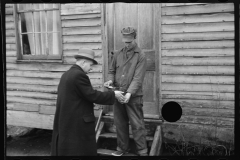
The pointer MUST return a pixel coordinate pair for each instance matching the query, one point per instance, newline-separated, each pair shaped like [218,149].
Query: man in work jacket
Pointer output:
[74,121]
[126,72]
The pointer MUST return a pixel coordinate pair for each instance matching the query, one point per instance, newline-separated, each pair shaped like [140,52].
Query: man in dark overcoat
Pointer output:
[74,121]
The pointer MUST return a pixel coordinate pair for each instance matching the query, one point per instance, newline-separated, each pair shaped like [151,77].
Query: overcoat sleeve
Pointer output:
[84,86]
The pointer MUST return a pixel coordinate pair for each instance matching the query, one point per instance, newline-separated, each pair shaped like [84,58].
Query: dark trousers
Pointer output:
[131,112]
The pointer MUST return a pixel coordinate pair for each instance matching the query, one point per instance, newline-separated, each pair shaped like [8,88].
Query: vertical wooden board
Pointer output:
[145,31]
[125,15]
[148,87]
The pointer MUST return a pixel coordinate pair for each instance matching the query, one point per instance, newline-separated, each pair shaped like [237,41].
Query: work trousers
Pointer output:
[130,112]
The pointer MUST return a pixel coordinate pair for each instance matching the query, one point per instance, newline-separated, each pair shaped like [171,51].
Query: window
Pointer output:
[38,29]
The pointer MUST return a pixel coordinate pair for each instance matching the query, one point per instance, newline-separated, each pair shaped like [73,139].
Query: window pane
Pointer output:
[26,22]
[54,43]
[53,21]
[24,6]
[26,44]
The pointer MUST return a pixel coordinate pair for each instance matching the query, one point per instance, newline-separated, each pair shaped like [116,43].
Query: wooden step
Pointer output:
[114,135]
[105,152]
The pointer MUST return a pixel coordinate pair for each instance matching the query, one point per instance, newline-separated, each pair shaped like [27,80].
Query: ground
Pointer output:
[23,141]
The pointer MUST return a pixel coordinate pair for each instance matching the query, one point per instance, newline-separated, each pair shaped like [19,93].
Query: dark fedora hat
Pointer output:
[85,53]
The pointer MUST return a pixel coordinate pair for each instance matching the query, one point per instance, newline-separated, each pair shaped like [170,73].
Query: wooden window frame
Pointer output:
[38,58]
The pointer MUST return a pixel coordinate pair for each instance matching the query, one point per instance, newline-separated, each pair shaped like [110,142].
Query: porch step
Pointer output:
[105,152]
[114,135]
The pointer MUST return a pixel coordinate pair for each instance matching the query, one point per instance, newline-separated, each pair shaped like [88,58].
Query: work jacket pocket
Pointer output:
[89,118]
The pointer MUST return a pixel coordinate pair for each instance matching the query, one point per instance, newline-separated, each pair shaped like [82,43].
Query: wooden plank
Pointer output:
[201,103]
[10,33]
[9,5]
[114,135]
[11,40]
[198,27]
[31,88]
[198,18]
[70,46]
[83,9]
[47,67]
[37,81]
[36,74]
[82,16]
[9,18]
[204,120]
[208,112]
[79,5]
[198,87]
[198,70]
[11,59]
[29,119]
[10,53]
[99,130]
[47,110]
[198,79]
[9,11]
[82,38]
[198,36]
[224,52]
[72,60]
[22,107]
[198,44]
[82,22]
[11,99]
[69,53]
[198,95]
[43,81]
[157,142]
[9,25]
[201,61]
[200,134]
[180,4]
[82,30]
[32,95]
[105,152]
[198,9]
[11,47]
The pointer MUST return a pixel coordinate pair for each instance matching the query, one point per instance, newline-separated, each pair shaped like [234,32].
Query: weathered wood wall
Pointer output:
[197,50]
[32,87]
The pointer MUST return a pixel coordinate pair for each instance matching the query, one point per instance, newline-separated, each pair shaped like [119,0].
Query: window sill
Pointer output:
[39,61]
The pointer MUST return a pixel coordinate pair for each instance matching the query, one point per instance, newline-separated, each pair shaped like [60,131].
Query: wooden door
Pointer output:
[144,18]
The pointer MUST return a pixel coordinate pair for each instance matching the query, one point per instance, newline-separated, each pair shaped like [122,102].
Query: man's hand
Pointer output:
[127,97]
[108,83]
[119,96]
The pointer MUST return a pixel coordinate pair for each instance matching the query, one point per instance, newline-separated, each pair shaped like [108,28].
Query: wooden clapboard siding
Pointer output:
[82,16]
[10,33]
[199,9]
[46,67]
[72,60]
[82,22]
[198,87]
[179,4]
[30,119]
[71,53]
[82,30]
[9,18]
[70,46]
[197,56]
[213,52]
[28,100]
[198,36]
[82,38]
[199,60]
[76,9]
[202,103]
[197,133]
[198,27]
[198,79]
[23,107]
[198,44]
[199,18]
[197,70]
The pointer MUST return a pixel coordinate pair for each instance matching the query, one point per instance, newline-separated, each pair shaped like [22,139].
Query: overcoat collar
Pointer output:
[136,49]
[78,67]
